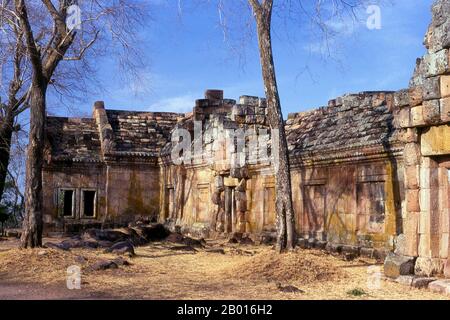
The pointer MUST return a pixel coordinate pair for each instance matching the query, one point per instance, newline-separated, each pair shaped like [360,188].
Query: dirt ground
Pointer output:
[220,271]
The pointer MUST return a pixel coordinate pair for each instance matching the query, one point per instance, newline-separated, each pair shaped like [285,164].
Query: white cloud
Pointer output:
[181,104]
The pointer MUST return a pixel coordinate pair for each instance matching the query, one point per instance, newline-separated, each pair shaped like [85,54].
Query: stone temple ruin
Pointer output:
[370,171]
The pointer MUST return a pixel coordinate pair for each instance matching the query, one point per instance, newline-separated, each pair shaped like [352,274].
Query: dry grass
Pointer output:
[242,273]
[301,266]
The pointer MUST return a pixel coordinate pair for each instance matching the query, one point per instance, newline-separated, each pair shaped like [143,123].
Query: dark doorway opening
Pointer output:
[68,203]
[88,203]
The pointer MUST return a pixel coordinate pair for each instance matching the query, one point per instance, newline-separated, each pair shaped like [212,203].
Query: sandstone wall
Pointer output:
[355,204]
[133,191]
[424,116]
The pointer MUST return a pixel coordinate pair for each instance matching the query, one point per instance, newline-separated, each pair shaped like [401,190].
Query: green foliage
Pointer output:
[357,292]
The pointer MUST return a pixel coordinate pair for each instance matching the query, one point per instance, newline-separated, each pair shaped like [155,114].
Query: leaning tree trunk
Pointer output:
[6,131]
[33,224]
[285,214]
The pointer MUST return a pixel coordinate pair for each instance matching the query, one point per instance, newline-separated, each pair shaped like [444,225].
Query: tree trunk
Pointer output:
[6,131]
[33,224]
[285,213]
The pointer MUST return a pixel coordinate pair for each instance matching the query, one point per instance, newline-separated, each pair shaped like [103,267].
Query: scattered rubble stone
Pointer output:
[405,280]
[124,247]
[121,261]
[422,282]
[104,265]
[58,246]
[396,265]
[440,286]
[333,248]
[183,248]
[81,260]
[289,289]
[180,239]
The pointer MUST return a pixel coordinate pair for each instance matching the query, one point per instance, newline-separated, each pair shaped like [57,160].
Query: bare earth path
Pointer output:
[165,271]
[36,291]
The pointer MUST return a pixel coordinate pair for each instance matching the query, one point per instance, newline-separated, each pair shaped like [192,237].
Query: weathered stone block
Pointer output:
[333,248]
[409,135]
[396,265]
[431,112]
[405,280]
[400,245]
[249,100]
[447,268]
[443,247]
[440,10]
[412,200]
[351,249]
[404,118]
[431,88]
[411,230]
[412,174]
[401,98]
[415,96]
[417,118]
[445,86]
[432,142]
[424,199]
[367,252]
[437,63]
[214,94]
[440,286]
[445,109]
[422,282]
[411,154]
[438,37]
[428,267]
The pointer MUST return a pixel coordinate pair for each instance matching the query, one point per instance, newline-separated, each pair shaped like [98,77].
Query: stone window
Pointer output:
[88,203]
[66,203]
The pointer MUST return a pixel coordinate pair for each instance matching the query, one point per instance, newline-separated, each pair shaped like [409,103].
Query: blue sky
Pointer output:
[187,54]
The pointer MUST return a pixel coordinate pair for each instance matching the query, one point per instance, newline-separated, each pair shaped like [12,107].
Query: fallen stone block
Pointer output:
[121,262]
[104,235]
[396,265]
[440,286]
[320,245]
[57,246]
[104,265]
[349,256]
[183,248]
[124,247]
[333,248]
[180,239]
[405,280]
[155,232]
[422,282]
[80,260]
[355,250]
[367,252]
[428,267]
